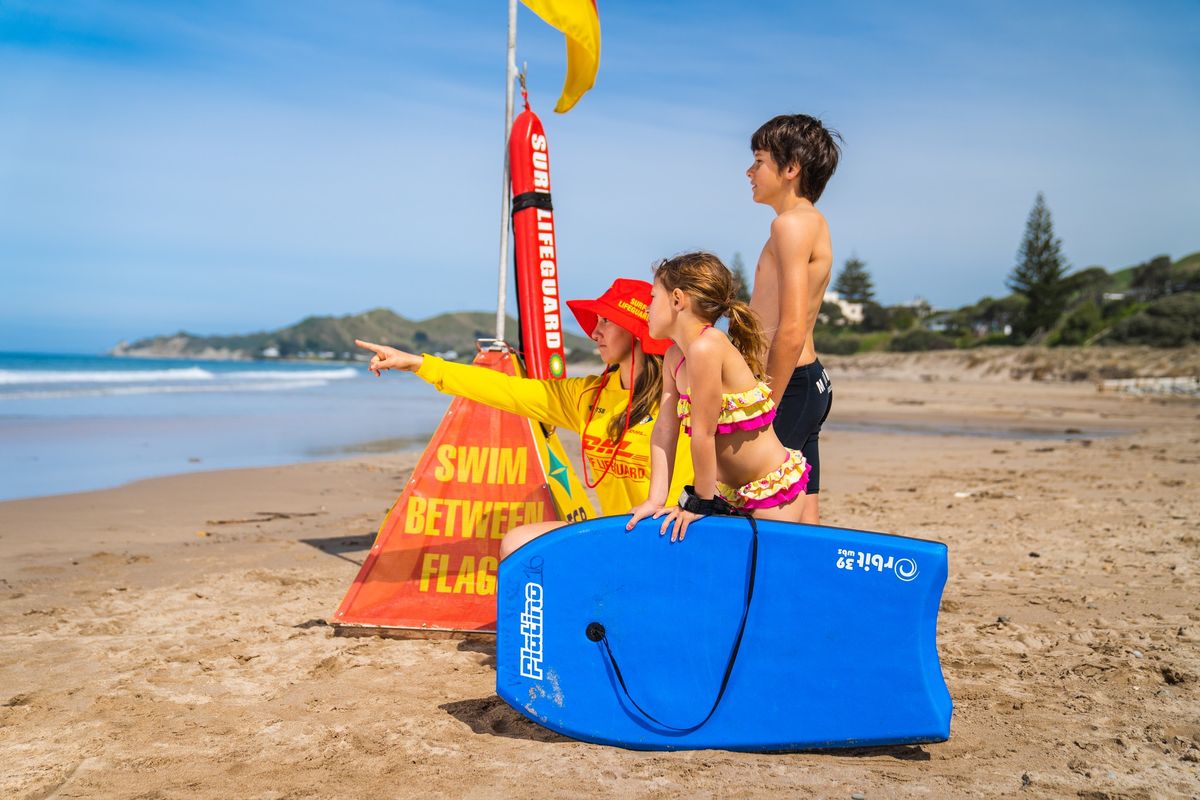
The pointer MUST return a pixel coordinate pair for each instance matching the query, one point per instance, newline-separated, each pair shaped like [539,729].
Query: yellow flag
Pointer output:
[580,23]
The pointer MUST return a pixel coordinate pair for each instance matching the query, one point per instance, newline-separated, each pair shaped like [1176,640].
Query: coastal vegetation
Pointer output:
[1154,303]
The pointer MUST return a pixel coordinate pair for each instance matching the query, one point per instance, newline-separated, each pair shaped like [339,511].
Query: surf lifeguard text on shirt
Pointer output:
[626,464]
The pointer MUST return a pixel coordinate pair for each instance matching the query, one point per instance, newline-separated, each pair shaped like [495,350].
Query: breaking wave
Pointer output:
[47,384]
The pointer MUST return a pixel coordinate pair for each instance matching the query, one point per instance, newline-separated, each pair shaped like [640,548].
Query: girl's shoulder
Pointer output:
[713,345]
[717,352]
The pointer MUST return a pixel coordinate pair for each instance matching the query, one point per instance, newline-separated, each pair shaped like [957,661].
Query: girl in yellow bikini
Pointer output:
[718,388]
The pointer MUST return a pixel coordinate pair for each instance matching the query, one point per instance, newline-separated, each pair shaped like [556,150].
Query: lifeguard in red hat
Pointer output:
[612,412]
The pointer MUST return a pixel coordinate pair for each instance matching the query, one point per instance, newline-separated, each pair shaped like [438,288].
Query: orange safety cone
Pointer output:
[433,564]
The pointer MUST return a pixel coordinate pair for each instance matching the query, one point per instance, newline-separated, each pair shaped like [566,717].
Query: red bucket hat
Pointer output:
[627,303]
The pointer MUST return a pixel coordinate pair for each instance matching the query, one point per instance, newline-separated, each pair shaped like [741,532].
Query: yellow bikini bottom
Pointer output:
[779,486]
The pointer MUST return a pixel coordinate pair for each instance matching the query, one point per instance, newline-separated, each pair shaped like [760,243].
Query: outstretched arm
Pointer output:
[553,402]
[793,238]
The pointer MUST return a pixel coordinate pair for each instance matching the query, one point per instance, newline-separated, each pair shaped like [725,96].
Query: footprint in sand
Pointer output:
[43,570]
[262,576]
[106,628]
[103,557]
[326,667]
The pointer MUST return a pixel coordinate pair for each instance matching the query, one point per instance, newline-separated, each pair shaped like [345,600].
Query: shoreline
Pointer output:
[171,636]
[395,447]
[1009,368]
[892,423]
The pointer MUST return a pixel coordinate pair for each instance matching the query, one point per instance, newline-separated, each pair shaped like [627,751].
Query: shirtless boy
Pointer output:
[794,157]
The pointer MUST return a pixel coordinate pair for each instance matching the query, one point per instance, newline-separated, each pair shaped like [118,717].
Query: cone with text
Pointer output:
[433,564]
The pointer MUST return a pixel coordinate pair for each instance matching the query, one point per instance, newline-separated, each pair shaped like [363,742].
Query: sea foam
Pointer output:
[188,375]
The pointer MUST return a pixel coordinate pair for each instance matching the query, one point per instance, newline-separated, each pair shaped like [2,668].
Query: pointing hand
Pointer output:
[390,358]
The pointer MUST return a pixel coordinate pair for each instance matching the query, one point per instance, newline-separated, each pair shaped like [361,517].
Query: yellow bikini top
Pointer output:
[748,410]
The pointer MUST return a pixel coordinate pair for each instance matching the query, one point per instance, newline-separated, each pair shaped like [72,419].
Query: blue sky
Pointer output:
[228,167]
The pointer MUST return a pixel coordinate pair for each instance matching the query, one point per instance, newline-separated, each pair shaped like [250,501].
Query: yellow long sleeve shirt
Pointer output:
[565,404]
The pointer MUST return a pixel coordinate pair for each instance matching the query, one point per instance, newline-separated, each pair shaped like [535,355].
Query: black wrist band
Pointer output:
[689,501]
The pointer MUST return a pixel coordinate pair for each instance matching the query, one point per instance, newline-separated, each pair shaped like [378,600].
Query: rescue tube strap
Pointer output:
[532,200]
[596,632]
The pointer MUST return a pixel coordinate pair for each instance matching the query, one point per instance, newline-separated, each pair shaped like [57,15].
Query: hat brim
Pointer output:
[587,311]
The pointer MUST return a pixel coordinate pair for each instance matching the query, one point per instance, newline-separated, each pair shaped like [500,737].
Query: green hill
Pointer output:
[333,338]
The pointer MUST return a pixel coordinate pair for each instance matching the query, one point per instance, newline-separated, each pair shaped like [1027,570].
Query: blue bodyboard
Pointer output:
[838,648]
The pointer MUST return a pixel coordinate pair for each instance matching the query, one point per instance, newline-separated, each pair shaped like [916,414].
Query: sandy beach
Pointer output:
[168,638]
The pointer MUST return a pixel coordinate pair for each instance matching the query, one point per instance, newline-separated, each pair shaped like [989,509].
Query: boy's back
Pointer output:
[794,157]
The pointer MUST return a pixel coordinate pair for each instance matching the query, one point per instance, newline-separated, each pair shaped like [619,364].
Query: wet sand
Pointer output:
[169,638]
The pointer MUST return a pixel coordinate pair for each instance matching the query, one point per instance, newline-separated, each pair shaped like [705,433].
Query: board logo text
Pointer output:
[531,632]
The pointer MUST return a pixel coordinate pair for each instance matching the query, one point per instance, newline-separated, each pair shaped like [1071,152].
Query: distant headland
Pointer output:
[452,335]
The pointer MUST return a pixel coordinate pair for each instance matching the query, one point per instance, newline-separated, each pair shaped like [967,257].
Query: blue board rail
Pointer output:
[838,647]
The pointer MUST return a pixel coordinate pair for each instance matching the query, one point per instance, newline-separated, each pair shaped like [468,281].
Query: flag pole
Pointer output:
[506,192]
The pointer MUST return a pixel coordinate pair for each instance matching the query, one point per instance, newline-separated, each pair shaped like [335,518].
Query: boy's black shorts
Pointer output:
[806,403]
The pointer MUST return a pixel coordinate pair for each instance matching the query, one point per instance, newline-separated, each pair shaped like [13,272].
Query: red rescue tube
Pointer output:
[534,248]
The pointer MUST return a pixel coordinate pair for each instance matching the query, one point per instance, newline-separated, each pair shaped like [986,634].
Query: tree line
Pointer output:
[1154,303]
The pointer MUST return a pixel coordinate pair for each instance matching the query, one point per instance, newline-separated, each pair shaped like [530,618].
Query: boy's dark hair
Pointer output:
[802,140]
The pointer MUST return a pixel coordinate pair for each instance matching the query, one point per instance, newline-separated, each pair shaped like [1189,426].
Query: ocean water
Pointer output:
[71,423]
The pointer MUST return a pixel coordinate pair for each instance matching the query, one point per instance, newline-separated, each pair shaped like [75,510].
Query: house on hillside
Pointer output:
[919,306]
[852,312]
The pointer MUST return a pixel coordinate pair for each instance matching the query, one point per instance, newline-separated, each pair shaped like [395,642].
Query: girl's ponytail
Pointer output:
[746,331]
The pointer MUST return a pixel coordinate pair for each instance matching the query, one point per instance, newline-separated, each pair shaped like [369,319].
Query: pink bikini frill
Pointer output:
[734,404]
[785,496]
[761,421]
[779,486]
